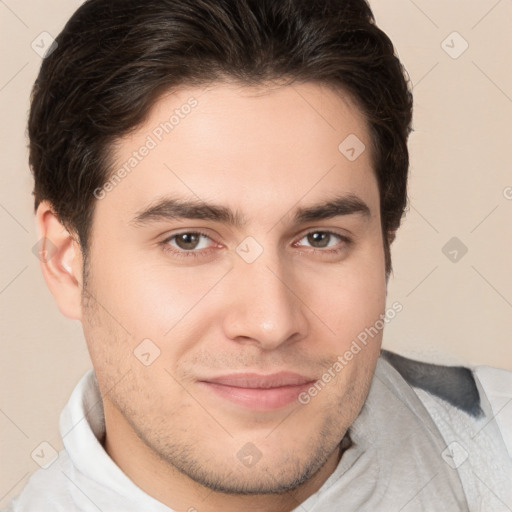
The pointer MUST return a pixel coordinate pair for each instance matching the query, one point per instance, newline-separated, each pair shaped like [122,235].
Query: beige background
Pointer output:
[460,186]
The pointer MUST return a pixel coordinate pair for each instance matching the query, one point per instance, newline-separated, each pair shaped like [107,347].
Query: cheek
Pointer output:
[172,307]
[351,297]
[168,297]
[144,292]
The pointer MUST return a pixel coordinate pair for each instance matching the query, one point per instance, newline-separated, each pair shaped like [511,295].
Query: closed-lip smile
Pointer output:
[259,391]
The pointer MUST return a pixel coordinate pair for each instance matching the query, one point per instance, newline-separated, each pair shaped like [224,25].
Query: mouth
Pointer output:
[257,391]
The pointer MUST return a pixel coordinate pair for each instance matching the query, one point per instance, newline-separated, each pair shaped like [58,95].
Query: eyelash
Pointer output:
[197,254]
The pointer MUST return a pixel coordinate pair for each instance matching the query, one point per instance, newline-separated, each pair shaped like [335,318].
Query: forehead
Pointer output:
[255,149]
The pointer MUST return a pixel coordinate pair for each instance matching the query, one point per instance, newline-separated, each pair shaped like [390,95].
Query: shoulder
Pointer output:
[497,385]
[472,409]
[453,384]
[47,490]
[467,389]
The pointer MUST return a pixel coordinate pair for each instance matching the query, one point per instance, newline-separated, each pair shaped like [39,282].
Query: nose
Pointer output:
[265,306]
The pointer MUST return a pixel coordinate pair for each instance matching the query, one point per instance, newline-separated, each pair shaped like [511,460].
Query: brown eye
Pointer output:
[325,241]
[319,239]
[192,242]
[187,241]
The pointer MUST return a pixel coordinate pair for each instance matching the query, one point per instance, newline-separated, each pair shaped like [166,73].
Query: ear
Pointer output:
[61,262]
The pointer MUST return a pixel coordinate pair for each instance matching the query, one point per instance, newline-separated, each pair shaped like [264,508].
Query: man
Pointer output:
[218,185]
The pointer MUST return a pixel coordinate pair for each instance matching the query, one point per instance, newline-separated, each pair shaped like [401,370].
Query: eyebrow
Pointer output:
[170,208]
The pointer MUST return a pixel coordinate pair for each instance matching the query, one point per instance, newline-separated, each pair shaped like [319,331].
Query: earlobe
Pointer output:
[61,261]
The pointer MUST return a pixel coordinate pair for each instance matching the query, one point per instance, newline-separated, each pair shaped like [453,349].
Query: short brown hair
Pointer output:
[115,57]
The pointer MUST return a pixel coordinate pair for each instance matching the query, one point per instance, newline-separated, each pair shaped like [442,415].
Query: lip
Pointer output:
[258,391]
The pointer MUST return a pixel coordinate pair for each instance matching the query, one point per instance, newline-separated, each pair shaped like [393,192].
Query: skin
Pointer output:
[262,152]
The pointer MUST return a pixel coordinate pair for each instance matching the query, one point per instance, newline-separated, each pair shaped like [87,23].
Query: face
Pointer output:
[231,264]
